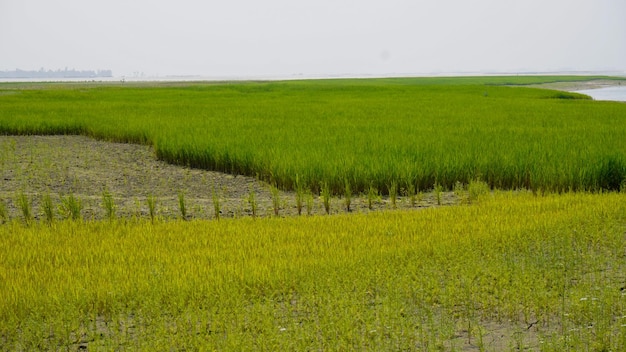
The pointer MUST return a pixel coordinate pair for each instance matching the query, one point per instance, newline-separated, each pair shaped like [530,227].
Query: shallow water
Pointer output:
[617,93]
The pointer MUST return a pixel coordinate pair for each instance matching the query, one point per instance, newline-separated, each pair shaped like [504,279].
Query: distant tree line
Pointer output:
[66,73]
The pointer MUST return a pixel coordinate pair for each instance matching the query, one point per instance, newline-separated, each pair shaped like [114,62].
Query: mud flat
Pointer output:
[84,167]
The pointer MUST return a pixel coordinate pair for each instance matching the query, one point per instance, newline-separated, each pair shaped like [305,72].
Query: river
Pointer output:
[616,93]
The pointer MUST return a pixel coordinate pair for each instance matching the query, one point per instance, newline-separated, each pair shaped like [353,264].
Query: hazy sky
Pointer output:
[313,37]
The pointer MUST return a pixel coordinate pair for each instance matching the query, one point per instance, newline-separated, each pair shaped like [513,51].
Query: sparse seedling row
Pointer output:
[72,207]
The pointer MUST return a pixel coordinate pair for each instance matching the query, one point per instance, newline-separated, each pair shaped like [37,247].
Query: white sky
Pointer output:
[313,37]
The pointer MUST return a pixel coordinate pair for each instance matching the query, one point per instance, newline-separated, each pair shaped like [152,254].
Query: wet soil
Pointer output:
[581,85]
[60,166]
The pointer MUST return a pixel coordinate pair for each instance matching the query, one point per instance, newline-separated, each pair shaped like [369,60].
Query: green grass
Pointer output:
[418,131]
[108,204]
[25,206]
[71,207]
[514,271]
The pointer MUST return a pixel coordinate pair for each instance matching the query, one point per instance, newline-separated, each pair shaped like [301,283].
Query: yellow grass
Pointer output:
[545,272]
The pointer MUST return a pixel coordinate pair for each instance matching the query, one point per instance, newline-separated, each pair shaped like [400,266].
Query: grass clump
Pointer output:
[612,174]
[347,195]
[71,207]
[460,191]
[4,214]
[477,189]
[252,202]
[438,192]
[300,195]
[216,203]
[372,195]
[325,195]
[48,208]
[182,205]
[412,192]
[393,193]
[24,204]
[151,201]
[275,199]
[108,204]
[308,197]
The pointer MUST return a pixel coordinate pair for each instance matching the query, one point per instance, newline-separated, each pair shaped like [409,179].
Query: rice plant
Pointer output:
[300,195]
[347,195]
[48,208]
[182,205]
[216,203]
[275,192]
[412,192]
[71,207]
[461,193]
[137,210]
[393,193]
[151,201]
[455,133]
[612,173]
[24,204]
[325,195]
[372,195]
[108,204]
[4,215]
[438,190]
[477,189]
[252,202]
[446,278]
[309,200]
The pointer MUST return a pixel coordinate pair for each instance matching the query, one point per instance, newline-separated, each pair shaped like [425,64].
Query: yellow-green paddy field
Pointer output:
[414,214]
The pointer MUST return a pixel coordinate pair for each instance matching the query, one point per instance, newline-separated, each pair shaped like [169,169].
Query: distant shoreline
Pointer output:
[55,74]
[581,85]
[286,77]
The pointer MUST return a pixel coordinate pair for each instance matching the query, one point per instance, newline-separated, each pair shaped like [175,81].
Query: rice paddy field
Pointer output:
[529,253]
[413,132]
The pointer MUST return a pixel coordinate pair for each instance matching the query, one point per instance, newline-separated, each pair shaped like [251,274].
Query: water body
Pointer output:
[617,93]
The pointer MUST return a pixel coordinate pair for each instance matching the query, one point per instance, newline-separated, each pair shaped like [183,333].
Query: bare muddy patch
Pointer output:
[60,166]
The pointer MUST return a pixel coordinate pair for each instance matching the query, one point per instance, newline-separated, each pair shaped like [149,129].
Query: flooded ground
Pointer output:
[616,93]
